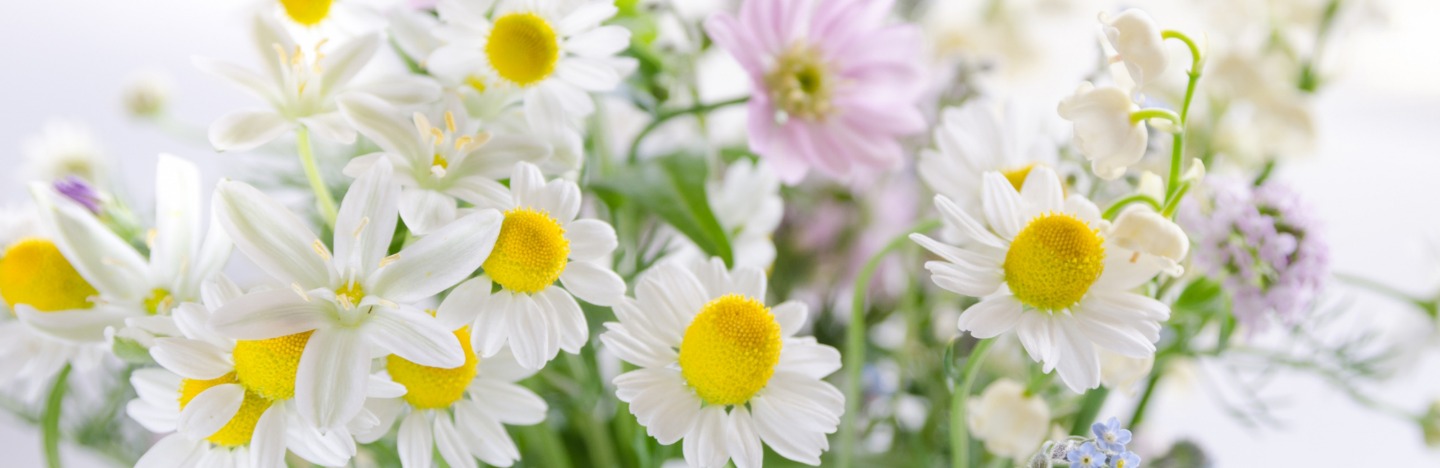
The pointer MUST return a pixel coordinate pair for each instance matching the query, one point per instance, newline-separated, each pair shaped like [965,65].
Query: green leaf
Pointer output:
[673,189]
[1203,296]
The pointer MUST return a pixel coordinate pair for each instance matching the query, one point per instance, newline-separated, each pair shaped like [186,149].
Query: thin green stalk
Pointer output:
[1197,61]
[959,431]
[1114,209]
[50,424]
[634,153]
[597,440]
[1174,203]
[1429,306]
[323,199]
[1089,407]
[855,340]
[1154,113]
[1139,415]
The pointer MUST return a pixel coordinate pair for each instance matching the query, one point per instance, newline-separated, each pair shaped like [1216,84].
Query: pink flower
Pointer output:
[834,87]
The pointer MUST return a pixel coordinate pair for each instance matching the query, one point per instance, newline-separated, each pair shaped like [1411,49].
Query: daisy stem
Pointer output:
[855,339]
[634,154]
[323,199]
[50,425]
[1197,61]
[959,431]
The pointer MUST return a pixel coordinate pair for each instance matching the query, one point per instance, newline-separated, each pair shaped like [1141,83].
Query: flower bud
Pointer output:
[1011,423]
[1137,41]
[1104,132]
[147,94]
[1146,232]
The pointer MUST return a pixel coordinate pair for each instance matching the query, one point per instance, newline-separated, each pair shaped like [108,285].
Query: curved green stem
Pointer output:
[959,431]
[1197,61]
[50,425]
[1155,113]
[323,199]
[1139,415]
[1114,209]
[855,340]
[1174,203]
[634,153]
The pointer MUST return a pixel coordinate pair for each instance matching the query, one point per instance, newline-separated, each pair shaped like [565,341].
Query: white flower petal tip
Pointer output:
[1137,40]
[1104,130]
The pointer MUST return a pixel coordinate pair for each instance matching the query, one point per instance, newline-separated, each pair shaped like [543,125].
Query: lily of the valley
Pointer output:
[357,301]
[1104,130]
[1138,45]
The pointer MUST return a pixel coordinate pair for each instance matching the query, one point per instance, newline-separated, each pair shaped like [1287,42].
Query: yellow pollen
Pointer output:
[440,162]
[267,367]
[1017,175]
[35,273]
[350,295]
[241,427]
[800,84]
[530,253]
[450,121]
[159,302]
[523,48]
[433,387]
[1053,261]
[307,12]
[730,350]
[475,83]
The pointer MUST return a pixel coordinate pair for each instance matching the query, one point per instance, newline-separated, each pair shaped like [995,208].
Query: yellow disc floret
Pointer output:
[1053,261]
[730,350]
[350,294]
[800,83]
[159,302]
[523,48]
[530,253]
[1017,176]
[268,367]
[307,12]
[34,272]
[241,427]
[433,387]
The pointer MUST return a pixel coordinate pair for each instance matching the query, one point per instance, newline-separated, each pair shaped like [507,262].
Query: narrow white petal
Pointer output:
[440,259]
[274,238]
[177,217]
[585,17]
[1003,206]
[507,402]
[567,318]
[105,261]
[330,383]
[426,210]
[450,445]
[79,326]
[330,126]
[267,314]
[366,221]
[416,441]
[340,65]
[464,303]
[193,359]
[591,240]
[743,441]
[173,451]
[791,316]
[1042,190]
[382,123]
[805,356]
[599,42]
[486,438]
[246,129]
[593,283]
[415,336]
[267,442]
[706,443]
[211,410]
[991,316]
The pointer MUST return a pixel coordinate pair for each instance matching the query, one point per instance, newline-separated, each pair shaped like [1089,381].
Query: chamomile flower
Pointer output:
[354,301]
[299,85]
[1044,265]
[721,369]
[63,148]
[834,87]
[229,402]
[554,51]
[981,136]
[460,411]
[437,165]
[84,278]
[540,243]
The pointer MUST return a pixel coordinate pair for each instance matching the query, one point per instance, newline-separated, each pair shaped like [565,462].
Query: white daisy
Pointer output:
[1046,267]
[542,242]
[121,282]
[354,301]
[721,370]
[554,51]
[63,148]
[460,411]
[229,402]
[336,19]
[436,166]
[300,85]
[981,136]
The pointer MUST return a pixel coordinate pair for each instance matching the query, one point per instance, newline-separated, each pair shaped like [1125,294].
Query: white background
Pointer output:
[1374,182]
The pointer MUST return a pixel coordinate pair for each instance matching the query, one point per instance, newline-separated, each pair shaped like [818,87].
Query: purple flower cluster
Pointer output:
[1263,242]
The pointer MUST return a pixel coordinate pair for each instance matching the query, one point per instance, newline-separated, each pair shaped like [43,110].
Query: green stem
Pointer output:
[855,340]
[597,440]
[634,153]
[1174,203]
[1197,61]
[1154,113]
[50,425]
[1139,415]
[1114,209]
[1089,407]
[323,199]
[1430,307]
[959,431]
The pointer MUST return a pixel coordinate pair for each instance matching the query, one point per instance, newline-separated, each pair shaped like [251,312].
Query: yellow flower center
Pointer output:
[307,12]
[523,48]
[1053,261]
[476,83]
[350,294]
[729,352]
[530,253]
[241,427]
[440,162]
[1017,175]
[35,273]
[159,302]
[800,84]
[267,367]
[433,387]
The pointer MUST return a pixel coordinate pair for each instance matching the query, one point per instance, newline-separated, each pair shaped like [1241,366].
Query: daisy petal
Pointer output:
[743,442]
[591,239]
[508,403]
[272,237]
[415,336]
[992,316]
[705,444]
[440,259]
[101,257]
[211,410]
[267,446]
[425,210]
[330,382]
[338,66]
[593,283]
[173,451]
[366,221]
[193,359]
[448,443]
[267,314]
[464,303]
[245,130]
[416,440]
